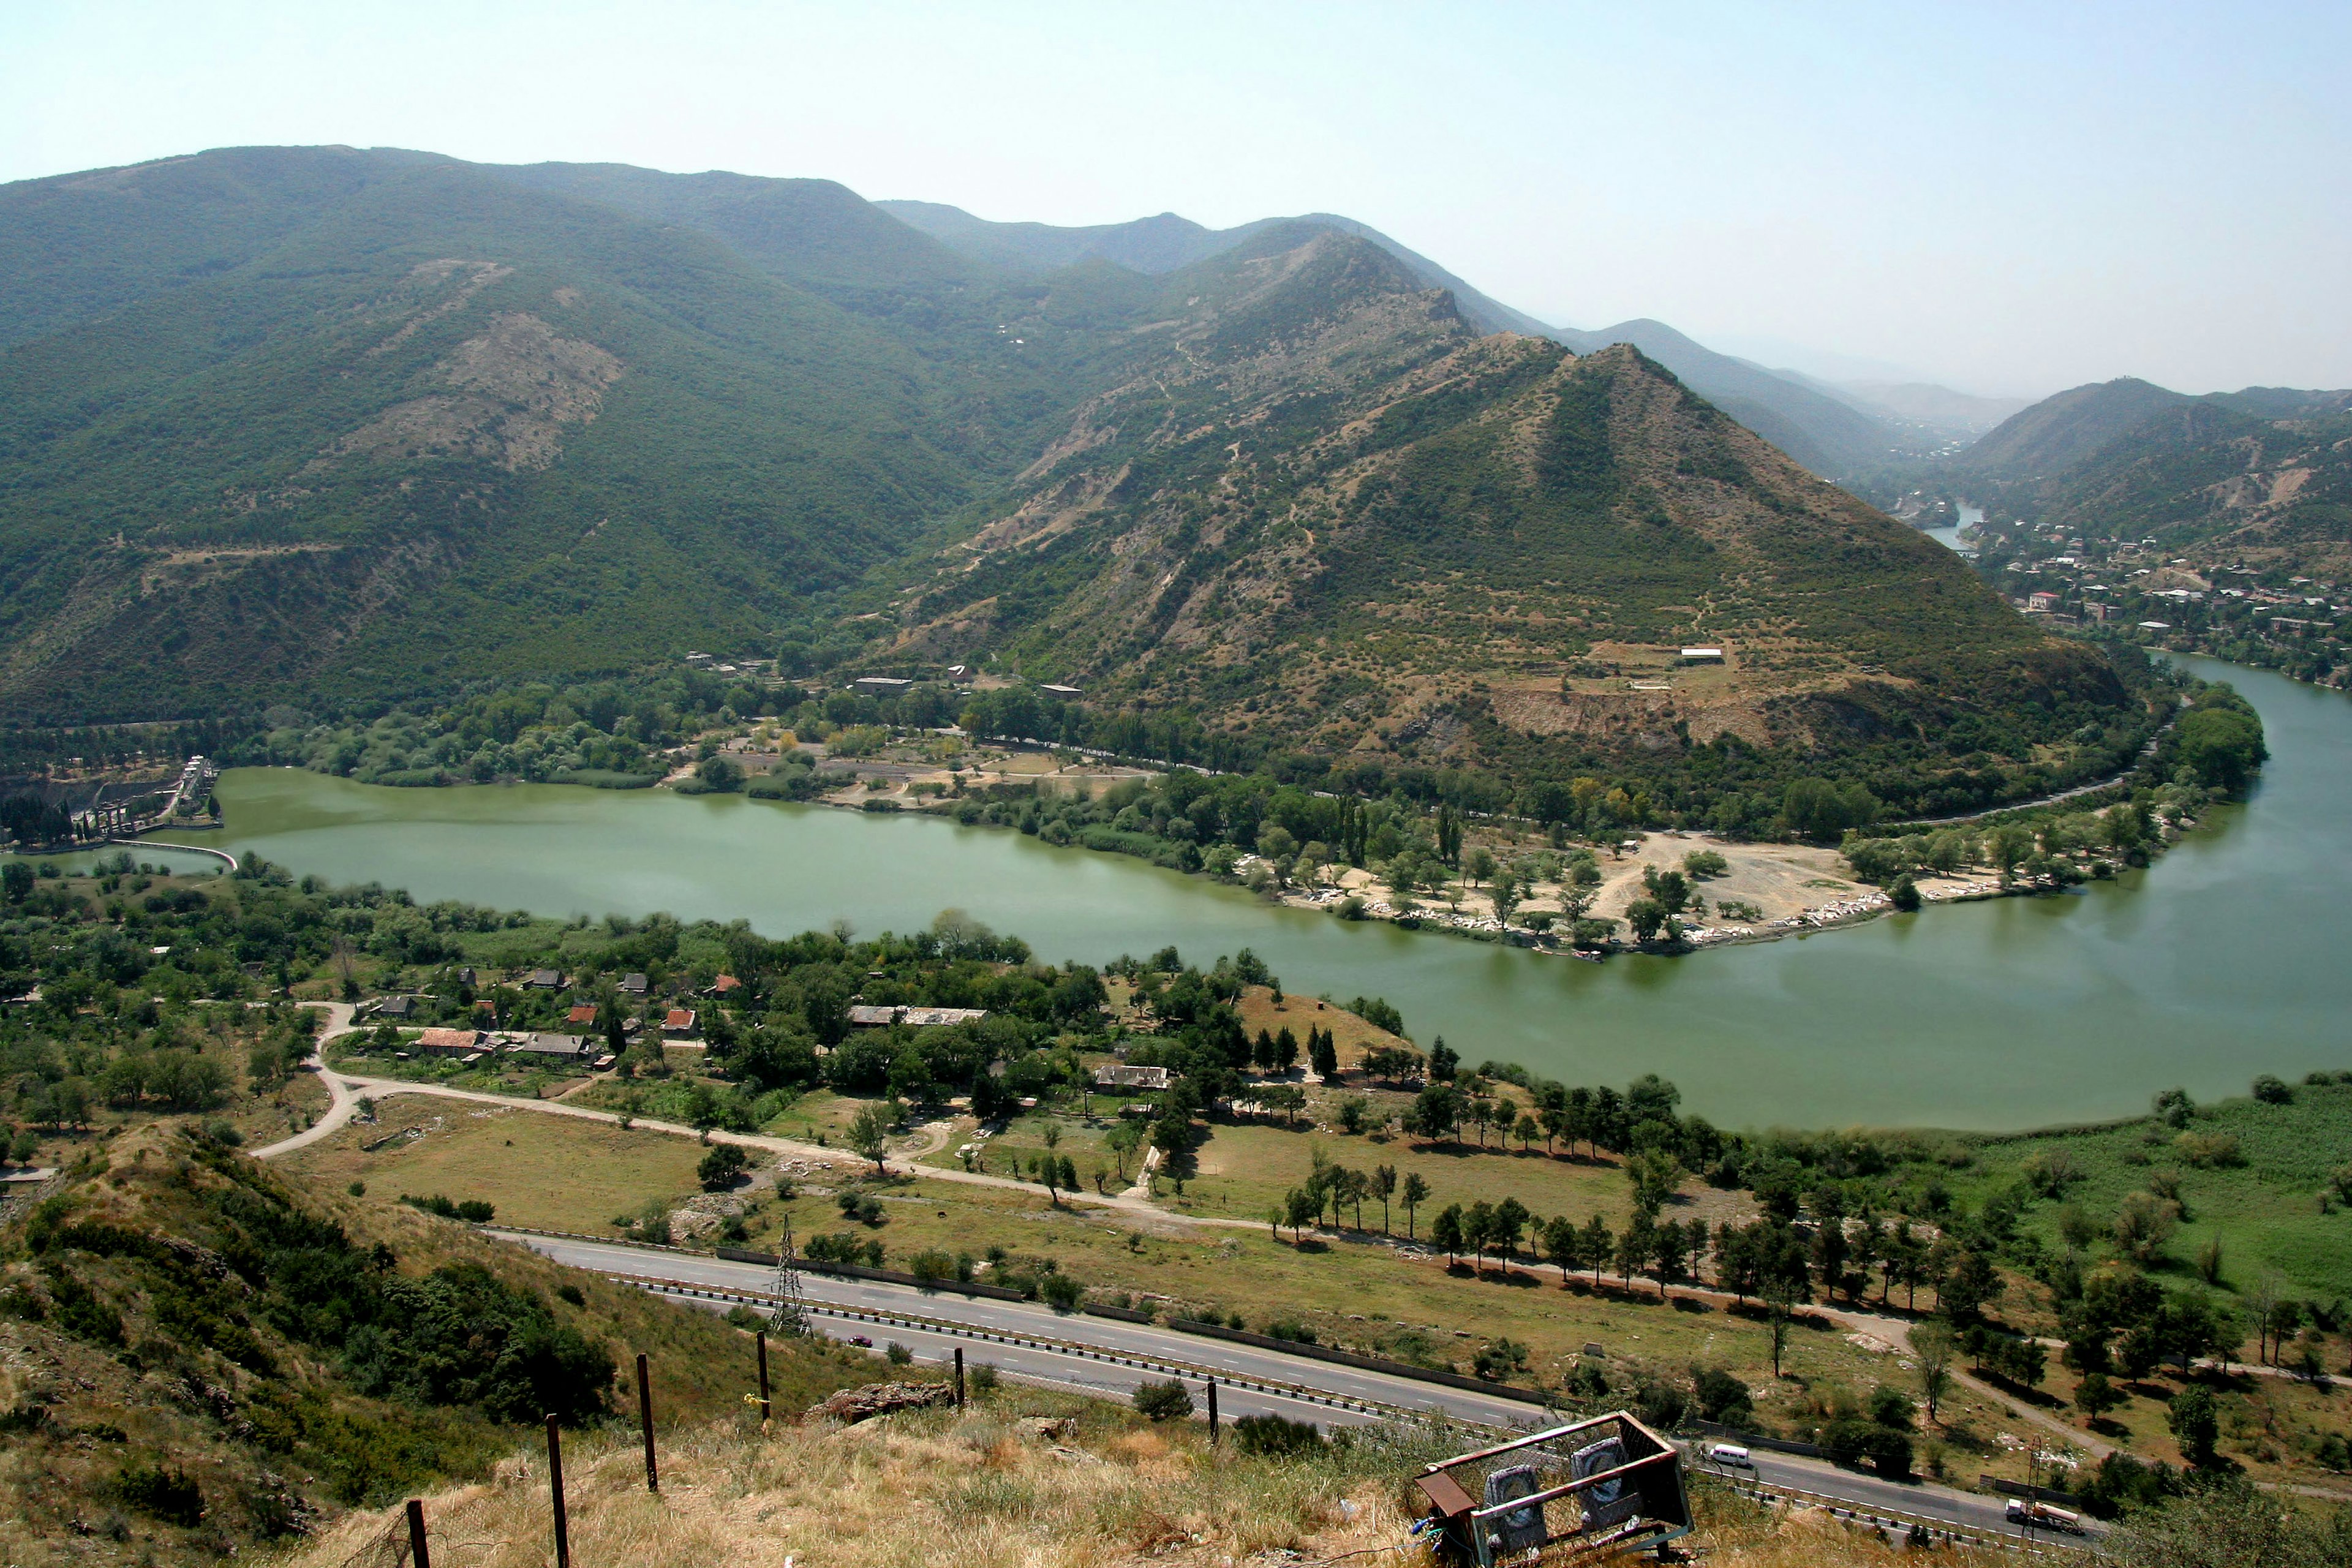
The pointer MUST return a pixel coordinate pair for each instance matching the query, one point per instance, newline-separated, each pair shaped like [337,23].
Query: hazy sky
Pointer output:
[2007,198]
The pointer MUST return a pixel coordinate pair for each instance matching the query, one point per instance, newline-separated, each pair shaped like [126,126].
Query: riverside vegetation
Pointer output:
[2201,1232]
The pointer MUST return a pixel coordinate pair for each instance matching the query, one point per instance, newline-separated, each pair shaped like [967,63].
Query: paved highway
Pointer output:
[1106,1357]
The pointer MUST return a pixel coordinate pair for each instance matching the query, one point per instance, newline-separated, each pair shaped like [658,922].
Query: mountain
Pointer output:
[1830,433]
[1821,431]
[2262,477]
[1154,246]
[1330,516]
[2063,430]
[365,420]
[320,424]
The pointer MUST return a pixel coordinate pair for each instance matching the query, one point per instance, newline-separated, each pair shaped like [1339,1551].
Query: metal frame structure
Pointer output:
[1644,1507]
[789,1315]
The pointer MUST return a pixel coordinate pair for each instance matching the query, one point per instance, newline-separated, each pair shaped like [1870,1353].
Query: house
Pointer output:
[880,685]
[395,1007]
[959,672]
[635,984]
[2042,602]
[447,1042]
[680,1021]
[544,980]
[1123,1075]
[585,1013]
[1704,655]
[872,1017]
[560,1047]
[1062,693]
[725,985]
[466,976]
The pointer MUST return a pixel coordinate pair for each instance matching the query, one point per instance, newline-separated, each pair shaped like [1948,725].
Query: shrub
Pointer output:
[722,1167]
[2272,1089]
[1168,1401]
[1276,1435]
[1061,1292]
[168,1495]
[983,1377]
[931,1266]
[2210,1150]
[898,1354]
[1290,1329]
[471,1210]
[1720,1396]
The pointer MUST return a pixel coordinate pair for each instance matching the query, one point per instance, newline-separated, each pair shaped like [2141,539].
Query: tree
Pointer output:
[1412,1194]
[1932,1345]
[1323,1053]
[2096,1396]
[869,1133]
[1653,1174]
[1598,1247]
[1436,1112]
[2195,1422]
[1446,1232]
[1300,1208]
[721,1167]
[1563,1244]
[17,881]
[1645,916]
[1779,1295]
[1385,1186]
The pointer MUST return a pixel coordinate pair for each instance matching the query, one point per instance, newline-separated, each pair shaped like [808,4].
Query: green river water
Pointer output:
[2225,959]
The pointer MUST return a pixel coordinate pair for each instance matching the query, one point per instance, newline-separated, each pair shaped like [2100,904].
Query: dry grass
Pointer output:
[552,1173]
[907,1490]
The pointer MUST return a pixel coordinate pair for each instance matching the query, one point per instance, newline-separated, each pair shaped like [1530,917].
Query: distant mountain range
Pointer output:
[1834,430]
[2262,476]
[320,425]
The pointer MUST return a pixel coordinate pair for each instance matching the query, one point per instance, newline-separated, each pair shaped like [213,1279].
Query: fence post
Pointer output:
[1212,1412]
[763,1377]
[645,1419]
[958,1351]
[555,1490]
[416,1551]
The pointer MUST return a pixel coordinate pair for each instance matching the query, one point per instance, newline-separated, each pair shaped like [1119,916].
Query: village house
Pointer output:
[447,1042]
[557,1047]
[1125,1075]
[544,980]
[679,1021]
[635,984]
[580,1013]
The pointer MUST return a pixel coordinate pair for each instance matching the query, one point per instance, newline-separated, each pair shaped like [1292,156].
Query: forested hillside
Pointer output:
[2262,477]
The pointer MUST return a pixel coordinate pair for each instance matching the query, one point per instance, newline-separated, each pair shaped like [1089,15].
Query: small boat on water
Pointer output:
[1588,956]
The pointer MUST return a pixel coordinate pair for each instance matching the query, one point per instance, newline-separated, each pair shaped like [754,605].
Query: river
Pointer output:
[2222,961]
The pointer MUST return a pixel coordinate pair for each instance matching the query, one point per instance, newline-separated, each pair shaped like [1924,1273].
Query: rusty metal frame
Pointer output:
[1635,1533]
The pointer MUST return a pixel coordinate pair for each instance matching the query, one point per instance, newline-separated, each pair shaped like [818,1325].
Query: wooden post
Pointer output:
[555,1490]
[958,1350]
[645,1419]
[763,1377]
[416,1551]
[1212,1412]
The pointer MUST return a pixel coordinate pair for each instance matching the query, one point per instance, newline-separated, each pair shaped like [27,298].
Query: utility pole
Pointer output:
[1212,1412]
[958,1358]
[645,1419]
[555,1492]
[763,1376]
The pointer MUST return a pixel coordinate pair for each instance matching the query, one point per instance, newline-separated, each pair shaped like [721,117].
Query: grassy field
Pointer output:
[1350,1036]
[2266,1213]
[550,1173]
[1245,1169]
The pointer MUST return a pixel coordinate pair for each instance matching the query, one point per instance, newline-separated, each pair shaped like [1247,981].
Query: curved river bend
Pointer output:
[2225,959]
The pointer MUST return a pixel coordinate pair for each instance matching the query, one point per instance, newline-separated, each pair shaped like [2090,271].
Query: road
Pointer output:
[1070,1349]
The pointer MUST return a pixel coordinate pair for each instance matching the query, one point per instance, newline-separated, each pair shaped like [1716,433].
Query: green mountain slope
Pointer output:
[2262,477]
[448,426]
[1331,517]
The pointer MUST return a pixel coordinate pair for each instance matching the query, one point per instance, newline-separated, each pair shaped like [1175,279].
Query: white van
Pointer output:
[1730,1454]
